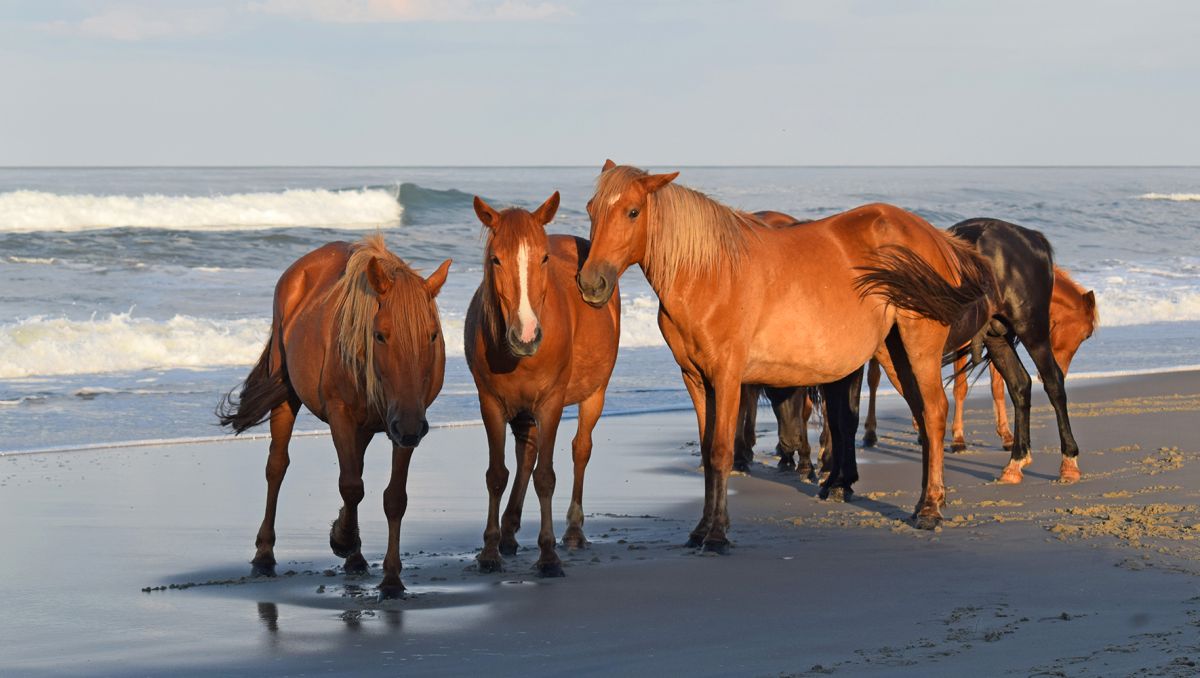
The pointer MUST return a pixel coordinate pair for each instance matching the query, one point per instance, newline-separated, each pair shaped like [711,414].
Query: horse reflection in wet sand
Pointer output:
[534,347]
[356,338]
[744,303]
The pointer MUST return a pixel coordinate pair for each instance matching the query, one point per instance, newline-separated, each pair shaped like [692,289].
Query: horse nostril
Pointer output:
[424,427]
[410,440]
[537,337]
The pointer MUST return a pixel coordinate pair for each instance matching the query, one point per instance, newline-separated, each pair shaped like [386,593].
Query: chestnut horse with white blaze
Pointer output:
[535,347]
[356,338]
[744,303]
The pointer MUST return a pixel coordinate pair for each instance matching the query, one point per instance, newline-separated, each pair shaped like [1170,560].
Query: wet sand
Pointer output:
[1097,578]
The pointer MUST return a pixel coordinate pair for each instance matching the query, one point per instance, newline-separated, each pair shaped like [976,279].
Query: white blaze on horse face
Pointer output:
[526,318]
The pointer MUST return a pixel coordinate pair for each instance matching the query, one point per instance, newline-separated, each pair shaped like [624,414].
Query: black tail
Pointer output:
[262,392]
[908,282]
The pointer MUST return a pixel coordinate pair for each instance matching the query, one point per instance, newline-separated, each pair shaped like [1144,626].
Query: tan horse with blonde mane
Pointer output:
[356,339]
[534,347]
[744,303]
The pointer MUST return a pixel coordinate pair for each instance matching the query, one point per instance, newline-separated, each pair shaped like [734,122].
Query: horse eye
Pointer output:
[545,258]
[633,213]
[379,337]
[495,260]
[433,337]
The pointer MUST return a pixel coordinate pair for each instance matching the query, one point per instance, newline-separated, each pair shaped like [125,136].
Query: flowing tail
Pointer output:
[262,392]
[909,283]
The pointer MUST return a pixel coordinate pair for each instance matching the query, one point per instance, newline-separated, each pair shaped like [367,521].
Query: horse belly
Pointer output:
[789,350]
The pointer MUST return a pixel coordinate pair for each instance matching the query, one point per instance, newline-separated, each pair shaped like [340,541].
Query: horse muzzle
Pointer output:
[407,434]
[524,349]
[596,284]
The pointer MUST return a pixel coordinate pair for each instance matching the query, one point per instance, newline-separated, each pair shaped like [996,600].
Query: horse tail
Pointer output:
[262,391]
[908,282]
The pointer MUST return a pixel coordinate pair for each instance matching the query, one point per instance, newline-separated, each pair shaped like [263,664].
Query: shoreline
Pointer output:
[1101,577]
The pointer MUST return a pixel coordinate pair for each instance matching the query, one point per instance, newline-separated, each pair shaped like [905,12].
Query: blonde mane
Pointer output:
[355,304]
[687,231]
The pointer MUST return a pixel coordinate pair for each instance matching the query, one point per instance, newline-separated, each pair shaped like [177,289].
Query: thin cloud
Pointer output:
[394,11]
[133,23]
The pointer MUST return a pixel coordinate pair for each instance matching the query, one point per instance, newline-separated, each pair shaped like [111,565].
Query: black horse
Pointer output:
[1023,263]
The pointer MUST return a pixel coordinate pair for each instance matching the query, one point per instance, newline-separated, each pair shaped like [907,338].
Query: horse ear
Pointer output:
[608,164]
[379,279]
[1089,300]
[489,216]
[652,182]
[438,278]
[545,214]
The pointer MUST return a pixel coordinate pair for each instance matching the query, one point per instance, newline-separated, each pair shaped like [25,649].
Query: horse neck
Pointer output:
[671,260]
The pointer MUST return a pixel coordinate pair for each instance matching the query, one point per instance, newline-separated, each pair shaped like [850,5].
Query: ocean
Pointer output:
[132,298]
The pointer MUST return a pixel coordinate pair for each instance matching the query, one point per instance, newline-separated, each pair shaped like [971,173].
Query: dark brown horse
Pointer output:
[871,280]
[534,347]
[355,338]
[792,407]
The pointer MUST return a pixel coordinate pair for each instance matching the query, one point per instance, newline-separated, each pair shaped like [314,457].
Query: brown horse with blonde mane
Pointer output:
[1074,317]
[355,338]
[744,303]
[534,347]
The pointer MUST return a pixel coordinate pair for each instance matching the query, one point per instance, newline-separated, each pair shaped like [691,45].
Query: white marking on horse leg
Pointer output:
[525,315]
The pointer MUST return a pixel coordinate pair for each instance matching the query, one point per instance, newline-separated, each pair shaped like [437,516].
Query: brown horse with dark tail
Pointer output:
[356,339]
[744,303]
[534,347]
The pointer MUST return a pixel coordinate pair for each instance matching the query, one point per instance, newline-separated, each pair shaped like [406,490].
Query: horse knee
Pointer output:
[497,479]
[352,490]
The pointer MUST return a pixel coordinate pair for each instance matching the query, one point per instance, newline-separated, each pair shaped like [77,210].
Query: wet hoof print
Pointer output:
[547,570]
[355,564]
[720,548]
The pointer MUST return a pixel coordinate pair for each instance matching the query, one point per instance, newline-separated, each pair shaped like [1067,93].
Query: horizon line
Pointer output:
[578,166]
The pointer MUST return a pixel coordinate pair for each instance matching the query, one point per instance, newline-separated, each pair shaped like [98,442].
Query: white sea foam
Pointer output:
[31,211]
[121,343]
[1173,197]
[1129,305]
[639,322]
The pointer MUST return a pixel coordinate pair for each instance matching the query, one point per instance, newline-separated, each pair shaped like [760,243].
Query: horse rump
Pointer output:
[261,392]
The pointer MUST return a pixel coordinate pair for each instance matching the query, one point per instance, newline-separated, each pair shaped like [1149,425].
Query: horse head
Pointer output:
[516,261]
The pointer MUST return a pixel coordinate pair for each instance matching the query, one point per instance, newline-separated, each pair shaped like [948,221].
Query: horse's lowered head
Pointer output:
[406,350]
[620,213]
[516,261]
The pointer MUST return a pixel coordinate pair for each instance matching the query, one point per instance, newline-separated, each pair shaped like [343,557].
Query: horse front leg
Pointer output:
[525,432]
[841,418]
[395,503]
[283,420]
[699,394]
[351,443]
[496,480]
[548,563]
[726,395]
[959,440]
[1001,412]
[870,436]
[581,453]
[743,455]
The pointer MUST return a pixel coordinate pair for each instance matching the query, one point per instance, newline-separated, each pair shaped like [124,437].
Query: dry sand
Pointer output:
[1098,578]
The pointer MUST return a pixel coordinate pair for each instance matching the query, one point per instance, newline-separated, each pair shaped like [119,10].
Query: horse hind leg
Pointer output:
[496,479]
[743,451]
[1052,382]
[283,420]
[1005,358]
[548,563]
[915,348]
[959,441]
[870,435]
[999,409]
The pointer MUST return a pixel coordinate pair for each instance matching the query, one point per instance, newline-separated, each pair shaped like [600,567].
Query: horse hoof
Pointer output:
[489,564]
[551,569]
[717,546]
[1068,471]
[786,464]
[391,589]
[869,439]
[925,522]
[509,546]
[807,475]
[343,549]
[740,466]
[262,570]
[574,540]
[695,541]
[355,564]
[1007,445]
[958,446]
[837,494]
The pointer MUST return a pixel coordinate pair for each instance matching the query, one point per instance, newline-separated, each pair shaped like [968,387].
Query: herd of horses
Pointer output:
[749,304]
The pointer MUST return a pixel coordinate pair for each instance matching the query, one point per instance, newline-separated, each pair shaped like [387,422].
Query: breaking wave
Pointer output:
[1173,197]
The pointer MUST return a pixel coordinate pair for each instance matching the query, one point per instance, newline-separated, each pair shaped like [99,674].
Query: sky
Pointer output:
[569,82]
